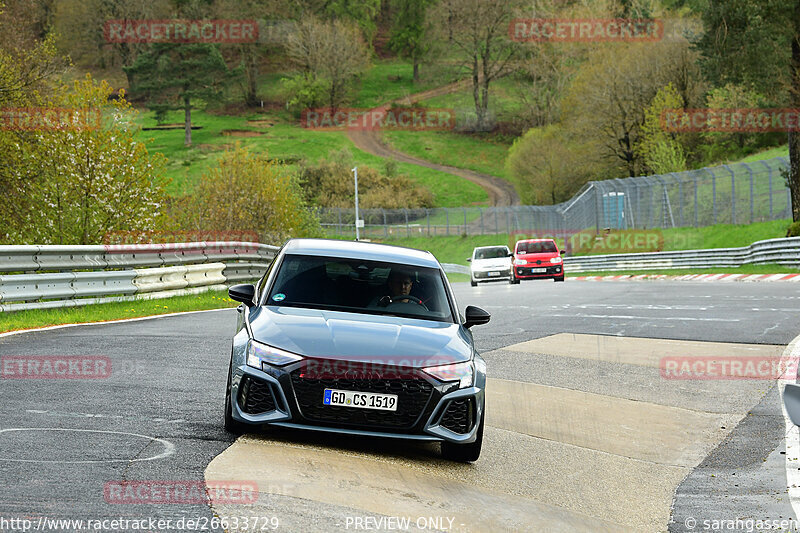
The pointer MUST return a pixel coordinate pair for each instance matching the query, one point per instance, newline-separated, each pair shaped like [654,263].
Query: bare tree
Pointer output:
[476,32]
[331,53]
[80,25]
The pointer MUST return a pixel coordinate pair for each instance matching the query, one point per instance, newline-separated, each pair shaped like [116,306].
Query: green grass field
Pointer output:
[481,153]
[281,137]
[114,311]
[389,80]
[779,151]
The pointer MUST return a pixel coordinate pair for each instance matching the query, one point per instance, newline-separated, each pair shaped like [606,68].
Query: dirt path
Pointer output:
[500,191]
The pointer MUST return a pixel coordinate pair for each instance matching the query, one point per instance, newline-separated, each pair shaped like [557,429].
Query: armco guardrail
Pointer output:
[40,277]
[777,251]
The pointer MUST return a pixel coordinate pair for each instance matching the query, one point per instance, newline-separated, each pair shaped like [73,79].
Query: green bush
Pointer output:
[329,183]
[793,230]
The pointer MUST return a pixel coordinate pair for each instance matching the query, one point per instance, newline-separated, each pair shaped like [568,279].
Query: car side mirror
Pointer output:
[791,400]
[562,252]
[244,293]
[475,316]
[469,260]
[510,254]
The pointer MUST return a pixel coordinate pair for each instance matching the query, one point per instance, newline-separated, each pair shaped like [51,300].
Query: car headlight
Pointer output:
[520,262]
[464,373]
[258,354]
[556,260]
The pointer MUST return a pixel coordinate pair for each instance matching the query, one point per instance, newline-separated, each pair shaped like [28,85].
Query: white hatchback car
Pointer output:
[490,263]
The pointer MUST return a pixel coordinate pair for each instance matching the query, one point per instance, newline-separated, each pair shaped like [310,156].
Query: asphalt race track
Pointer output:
[584,432]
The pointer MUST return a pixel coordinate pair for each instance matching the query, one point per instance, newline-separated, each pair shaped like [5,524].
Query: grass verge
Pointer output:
[37,318]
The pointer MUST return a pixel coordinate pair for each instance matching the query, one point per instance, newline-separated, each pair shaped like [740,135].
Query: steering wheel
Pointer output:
[386,300]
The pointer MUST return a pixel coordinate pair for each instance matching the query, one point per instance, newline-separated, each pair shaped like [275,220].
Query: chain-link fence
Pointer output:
[740,193]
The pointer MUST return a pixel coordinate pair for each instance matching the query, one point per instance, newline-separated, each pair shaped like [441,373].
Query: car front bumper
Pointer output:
[484,275]
[279,396]
[527,271]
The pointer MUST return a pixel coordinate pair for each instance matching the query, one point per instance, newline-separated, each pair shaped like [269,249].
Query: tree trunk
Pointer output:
[794,136]
[251,73]
[476,87]
[187,121]
[794,173]
[416,70]
[485,101]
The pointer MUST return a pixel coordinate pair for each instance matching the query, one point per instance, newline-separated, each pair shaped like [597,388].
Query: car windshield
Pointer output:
[360,286]
[491,253]
[536,247]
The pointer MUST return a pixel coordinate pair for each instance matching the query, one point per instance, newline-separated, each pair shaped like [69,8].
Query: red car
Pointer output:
[537,259]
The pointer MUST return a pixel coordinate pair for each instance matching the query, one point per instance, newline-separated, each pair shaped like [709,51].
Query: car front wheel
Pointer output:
[231,425]
[473,283]
[465,453]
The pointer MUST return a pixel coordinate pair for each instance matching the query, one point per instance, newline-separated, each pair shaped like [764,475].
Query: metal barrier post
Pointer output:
[714,194]
[752,209]
[428,217]
[733,193]
[769,169]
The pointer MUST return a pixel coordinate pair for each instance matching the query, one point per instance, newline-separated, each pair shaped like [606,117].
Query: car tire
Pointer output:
[231,426]
[465,453]
[511,280]
[473,283]
[559,279]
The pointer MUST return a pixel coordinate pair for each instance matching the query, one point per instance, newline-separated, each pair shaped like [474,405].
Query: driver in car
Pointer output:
[398,287]
[399,284]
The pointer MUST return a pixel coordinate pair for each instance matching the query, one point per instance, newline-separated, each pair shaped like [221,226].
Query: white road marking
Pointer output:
[632,317]
[169,448]
[72,414]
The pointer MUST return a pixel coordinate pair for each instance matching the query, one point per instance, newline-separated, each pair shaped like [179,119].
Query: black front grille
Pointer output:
[529,271]
[485,275]
[413,395]
[459,416]
[255,396]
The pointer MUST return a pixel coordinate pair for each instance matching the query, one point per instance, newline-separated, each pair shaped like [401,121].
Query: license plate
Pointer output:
[362,400]
[538,270]
[494,274]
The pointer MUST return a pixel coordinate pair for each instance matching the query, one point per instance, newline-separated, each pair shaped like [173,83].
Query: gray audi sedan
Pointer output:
[357,338]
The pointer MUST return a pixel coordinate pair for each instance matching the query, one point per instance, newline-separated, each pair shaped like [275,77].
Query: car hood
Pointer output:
[361,337]
[497,262]
[543,257]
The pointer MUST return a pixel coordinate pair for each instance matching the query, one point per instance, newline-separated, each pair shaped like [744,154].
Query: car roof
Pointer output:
[537,240]
[493,246]
[361,250]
